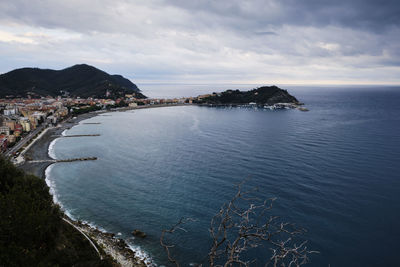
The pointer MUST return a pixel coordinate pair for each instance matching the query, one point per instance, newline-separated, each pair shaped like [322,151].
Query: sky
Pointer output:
[208,41]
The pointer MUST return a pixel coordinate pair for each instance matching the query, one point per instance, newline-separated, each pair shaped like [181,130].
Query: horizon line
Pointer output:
[271,84]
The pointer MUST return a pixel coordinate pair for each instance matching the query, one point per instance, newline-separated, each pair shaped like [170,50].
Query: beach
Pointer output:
[40,148]
[117,248]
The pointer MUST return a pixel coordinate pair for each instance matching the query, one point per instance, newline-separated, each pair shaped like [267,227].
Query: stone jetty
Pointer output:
[62,160]
[80,135]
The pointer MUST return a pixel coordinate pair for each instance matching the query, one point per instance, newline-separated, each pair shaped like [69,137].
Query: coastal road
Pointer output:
[91,242]
[23,141]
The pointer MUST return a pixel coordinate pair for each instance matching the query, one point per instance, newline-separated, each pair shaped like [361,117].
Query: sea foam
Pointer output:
[51,151]
[53,191]
[52,186]
[142,255]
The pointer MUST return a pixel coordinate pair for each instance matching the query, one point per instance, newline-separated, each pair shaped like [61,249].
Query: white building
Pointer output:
[26,126]
[133,105]
[5,130]
[9,112]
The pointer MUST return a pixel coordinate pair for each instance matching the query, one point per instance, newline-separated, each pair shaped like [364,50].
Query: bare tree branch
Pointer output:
[244,223]
[167,247]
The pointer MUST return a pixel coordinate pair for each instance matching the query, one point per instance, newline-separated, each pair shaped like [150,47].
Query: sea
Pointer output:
[334,171]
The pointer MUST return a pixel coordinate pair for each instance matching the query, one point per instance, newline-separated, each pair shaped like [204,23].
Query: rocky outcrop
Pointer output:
[139,233]
[266,95]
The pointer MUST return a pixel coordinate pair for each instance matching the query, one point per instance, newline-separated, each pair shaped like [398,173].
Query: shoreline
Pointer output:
[39,150]
[115,247]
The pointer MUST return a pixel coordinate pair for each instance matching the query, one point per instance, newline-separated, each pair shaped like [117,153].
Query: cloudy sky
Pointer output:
[208,41]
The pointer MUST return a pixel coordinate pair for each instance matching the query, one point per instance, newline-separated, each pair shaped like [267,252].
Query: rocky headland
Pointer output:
[271,97]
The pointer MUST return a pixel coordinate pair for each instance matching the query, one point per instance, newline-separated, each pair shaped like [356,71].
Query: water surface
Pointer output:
[334,170]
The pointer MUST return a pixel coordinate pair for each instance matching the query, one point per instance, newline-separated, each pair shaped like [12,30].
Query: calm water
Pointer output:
[335,171]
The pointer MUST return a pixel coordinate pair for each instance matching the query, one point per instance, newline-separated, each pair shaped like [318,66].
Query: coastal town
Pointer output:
[21,119]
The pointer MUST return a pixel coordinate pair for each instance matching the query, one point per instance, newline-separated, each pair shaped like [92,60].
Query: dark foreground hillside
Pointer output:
[32,232]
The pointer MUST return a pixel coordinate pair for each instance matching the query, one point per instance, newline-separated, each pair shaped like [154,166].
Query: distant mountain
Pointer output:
[264,95]
[79,80]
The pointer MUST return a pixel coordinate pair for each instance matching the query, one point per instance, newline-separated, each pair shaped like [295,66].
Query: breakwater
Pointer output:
[62,160]
[76,135]
[80,135]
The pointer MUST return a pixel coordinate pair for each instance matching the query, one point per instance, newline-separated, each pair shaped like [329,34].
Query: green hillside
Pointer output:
[263,95]
[79,80]
[32,232]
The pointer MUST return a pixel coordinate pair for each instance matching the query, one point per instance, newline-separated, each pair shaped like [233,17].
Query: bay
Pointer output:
[334,170]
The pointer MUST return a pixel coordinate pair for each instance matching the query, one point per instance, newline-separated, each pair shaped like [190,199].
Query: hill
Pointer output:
[32,232]
[264,95]
[79,80]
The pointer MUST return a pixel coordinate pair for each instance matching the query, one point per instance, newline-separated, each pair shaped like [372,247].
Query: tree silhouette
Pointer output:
[242,224]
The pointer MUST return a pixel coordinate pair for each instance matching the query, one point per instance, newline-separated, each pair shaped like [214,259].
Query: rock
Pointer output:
[109,235]
[121,244]
[302,109]
[139,233]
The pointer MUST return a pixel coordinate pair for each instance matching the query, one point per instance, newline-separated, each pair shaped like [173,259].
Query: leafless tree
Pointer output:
[243,224]
[173,229]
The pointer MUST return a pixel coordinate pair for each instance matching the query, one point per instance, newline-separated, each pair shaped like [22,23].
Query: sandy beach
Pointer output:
[39,150]
[117,248]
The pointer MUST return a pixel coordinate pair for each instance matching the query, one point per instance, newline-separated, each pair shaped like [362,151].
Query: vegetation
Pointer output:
[263,95]
[32,232]
[79,80]
[81,109]
[77,111]
[121,104]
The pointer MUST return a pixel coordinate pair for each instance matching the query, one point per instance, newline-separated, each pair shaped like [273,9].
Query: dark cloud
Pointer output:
[245,40]
[370,15]
[234,15]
